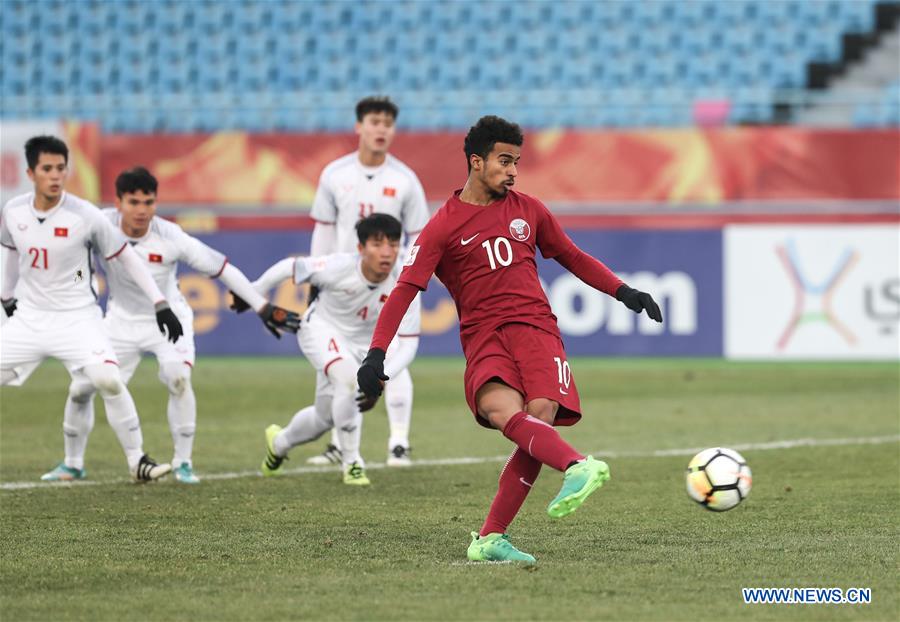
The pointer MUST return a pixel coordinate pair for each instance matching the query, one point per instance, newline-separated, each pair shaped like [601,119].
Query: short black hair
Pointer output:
[137,179]
[377,226]
[37,145]
[487,132]
[376,103]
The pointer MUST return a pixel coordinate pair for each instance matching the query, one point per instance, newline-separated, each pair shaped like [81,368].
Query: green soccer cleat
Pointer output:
[272,463]
[355,475]
[581,480]
[63,473]
[496,547]
[185,474]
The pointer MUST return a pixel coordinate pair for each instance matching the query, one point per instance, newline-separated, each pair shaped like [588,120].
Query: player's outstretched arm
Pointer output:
[371,376]
[246,296]
[10,278]
[270,278]
[166,319]
[597,275]
[555,244]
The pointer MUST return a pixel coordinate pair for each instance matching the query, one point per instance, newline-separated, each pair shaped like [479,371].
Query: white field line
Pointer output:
[658,453]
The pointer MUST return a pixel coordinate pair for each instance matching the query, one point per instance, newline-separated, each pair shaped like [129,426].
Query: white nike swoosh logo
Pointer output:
[522,479]
[464,241]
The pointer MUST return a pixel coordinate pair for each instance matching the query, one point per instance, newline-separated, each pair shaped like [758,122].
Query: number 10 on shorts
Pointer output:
[564,371]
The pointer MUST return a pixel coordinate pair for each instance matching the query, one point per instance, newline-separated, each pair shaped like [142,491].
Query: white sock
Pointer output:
[78,421]
[120,410]
[398,397]
[345,412]
[348,424]
[307,425]
[335,439]
[181,410]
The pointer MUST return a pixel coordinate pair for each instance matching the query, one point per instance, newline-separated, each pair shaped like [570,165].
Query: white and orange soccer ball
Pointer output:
[718,479]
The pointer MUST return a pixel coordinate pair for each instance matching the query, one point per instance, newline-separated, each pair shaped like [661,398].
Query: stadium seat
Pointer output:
[170,48]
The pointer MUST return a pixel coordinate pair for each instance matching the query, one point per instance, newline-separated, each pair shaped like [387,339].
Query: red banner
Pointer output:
[705,166]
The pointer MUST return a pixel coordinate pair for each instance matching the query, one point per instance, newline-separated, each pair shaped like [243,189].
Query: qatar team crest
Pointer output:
[520,230]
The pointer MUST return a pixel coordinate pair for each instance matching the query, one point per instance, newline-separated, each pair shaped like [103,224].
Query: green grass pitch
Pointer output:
[304,546]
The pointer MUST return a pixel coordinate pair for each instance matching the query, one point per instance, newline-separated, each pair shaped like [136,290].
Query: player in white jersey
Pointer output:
[48,294]
[367,181]
[129,316]
[352,290]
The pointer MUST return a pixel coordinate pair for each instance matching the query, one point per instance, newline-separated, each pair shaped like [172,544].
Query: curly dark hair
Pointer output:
[376,103]
[489,131]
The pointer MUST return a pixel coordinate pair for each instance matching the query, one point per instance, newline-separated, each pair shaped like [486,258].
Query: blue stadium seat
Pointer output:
[434,52]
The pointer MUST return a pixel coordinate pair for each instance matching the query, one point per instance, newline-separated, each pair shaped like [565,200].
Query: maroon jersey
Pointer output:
[485,256]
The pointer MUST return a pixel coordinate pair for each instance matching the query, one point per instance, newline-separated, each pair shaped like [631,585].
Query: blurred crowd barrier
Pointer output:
[821,291]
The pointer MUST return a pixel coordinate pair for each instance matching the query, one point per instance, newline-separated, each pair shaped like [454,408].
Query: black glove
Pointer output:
[277,318]
[167,321]
[365,403]
[238,304]
[370,376]
[637,301]
[313,294]
[9,305]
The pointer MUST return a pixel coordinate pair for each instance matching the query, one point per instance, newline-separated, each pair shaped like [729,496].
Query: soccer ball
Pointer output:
[718,479]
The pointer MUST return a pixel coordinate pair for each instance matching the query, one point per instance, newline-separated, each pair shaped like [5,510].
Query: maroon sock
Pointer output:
[516,480]
[540,441]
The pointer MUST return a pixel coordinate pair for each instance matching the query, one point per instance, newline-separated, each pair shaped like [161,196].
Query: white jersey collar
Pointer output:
[47,214]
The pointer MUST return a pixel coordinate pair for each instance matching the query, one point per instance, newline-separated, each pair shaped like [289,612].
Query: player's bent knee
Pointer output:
[342,375]
[176,377]
[81,392]
[7,376]
[543,409]
[497,403]
[106,379]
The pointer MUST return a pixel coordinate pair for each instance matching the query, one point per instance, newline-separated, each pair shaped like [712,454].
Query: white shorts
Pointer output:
[130,338]
[323,345]
[75,338]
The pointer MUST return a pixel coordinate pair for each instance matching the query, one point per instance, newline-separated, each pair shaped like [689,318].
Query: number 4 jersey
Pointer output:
[54,250]
[485,257]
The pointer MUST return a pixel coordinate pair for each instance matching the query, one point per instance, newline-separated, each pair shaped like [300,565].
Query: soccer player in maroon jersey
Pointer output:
[481,244]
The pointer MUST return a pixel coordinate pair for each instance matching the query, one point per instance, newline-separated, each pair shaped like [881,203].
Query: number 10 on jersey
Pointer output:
[564,371]
[498,252]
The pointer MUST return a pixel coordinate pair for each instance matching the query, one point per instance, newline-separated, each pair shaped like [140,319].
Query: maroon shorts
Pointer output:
[528,359]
